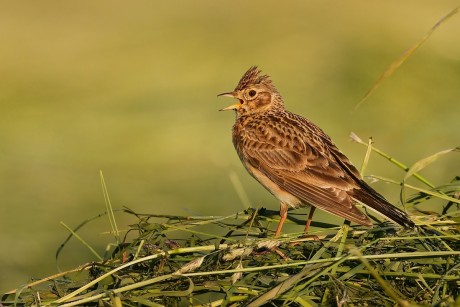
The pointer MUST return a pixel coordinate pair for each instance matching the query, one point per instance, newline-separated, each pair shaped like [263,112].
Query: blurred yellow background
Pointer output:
[130,89]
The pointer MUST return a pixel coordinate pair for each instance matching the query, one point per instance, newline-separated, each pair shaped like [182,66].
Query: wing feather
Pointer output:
[310,174]
[311,187]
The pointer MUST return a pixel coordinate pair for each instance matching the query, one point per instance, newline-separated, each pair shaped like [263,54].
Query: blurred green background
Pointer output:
[130,89]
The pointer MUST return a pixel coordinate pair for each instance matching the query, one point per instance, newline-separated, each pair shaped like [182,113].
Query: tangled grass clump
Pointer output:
[235,261]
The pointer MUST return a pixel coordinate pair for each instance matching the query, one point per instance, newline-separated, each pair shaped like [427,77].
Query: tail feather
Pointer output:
[373,200]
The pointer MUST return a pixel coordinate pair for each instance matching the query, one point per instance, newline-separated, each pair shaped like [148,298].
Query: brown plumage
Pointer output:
[295,160]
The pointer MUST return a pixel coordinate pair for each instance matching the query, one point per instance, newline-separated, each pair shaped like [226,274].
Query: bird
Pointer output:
[296,161]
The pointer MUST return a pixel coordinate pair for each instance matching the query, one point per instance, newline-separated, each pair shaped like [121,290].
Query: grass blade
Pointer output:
[421,164]
[109,209]
[93,251]
[403,58]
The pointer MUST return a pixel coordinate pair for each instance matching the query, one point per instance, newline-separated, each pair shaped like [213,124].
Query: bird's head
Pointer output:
[255,93]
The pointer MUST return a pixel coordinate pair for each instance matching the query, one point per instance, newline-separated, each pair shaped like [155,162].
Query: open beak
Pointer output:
[233,106]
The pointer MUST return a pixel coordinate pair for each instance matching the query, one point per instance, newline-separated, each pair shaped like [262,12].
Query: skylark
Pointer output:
[295,160]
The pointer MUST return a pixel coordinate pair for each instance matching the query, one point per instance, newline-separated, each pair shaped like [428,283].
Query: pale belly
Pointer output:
[283,196]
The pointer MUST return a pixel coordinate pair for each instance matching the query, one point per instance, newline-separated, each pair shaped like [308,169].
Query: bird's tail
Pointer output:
[373,200]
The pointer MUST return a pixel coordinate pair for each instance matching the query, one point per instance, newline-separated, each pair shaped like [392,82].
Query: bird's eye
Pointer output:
[252,93]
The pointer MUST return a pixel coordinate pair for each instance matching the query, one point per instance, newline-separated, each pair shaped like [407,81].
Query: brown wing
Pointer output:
[299,162]
[364,193]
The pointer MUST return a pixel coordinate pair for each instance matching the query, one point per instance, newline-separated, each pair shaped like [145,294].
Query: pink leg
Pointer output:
[310,217]
[283,216]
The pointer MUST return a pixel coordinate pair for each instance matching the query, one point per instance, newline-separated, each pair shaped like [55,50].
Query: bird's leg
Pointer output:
[283,216]
[310,217]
